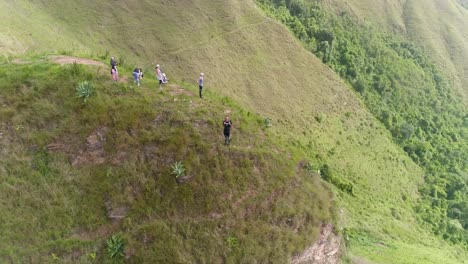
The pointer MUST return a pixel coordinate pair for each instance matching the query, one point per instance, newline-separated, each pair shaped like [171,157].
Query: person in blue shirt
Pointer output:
[137,75]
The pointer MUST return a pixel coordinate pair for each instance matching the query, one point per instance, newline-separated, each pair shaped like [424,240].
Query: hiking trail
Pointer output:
[63,59]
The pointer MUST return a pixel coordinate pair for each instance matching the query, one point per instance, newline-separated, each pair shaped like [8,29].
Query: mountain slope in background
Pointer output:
[441,27]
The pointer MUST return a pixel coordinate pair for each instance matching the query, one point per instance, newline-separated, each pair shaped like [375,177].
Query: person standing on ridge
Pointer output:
[114,71]
[113,62]
[137,75]
[141,73]
[159,76]
[227,130]
[201,81]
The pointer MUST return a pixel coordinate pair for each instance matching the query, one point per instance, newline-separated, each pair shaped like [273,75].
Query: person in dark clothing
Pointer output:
[201,81]
[114,71]
[141,73]
[113,62]
[227,130]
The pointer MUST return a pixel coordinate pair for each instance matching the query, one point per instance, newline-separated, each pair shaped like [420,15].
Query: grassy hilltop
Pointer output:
[246,57]
[74,174]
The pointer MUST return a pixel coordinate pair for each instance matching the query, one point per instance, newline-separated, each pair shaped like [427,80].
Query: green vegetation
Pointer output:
[407,93]
[115,247]
[178,169]
[74,174]
[247,58]
[85,90]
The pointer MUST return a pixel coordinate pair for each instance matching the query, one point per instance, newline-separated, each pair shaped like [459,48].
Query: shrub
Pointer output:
[232,241]
[85,90]
[325,173]
[341,183]
[267,122]
[76,69]
[311,168]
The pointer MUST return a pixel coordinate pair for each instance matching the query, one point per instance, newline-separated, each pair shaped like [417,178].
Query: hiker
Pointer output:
[159,76]
[201,80]
[164,78]
[141,73]
[113,62]
[227,130]
[137,75]
[114,71]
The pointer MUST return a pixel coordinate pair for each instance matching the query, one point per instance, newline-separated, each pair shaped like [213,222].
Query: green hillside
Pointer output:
[255,62]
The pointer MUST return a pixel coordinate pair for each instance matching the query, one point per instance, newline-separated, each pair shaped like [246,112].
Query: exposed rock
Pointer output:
[119,158]
[117,213]
[326,250]
[56,147]
[184,179]
[94,152]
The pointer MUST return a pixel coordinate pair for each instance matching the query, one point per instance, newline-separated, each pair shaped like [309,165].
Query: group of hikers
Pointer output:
[162,78]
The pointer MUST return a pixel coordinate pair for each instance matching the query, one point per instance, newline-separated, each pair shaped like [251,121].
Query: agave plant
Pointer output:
[115,247]
[85,90]
[178,169]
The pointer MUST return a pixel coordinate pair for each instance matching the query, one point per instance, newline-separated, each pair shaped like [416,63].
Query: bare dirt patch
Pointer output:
[326,250]
[62,59]
[177,90]
[21,61]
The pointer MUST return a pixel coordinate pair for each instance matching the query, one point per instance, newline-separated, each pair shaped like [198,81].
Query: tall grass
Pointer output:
[59,208]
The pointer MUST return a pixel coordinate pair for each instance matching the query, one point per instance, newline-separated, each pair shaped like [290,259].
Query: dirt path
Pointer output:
[62,59]
[325,251]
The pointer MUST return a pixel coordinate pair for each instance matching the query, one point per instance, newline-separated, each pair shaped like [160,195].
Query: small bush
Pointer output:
[342,184]
[319,118]
[325,173]
[85,90]
[267,122]
[232,241]
[311,168]
[115,247]
[76,69]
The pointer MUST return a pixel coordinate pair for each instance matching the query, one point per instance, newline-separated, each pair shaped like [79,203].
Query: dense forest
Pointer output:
[404,89]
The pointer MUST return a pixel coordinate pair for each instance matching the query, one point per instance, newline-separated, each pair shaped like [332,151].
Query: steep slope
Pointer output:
[258,63]
[406,92]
